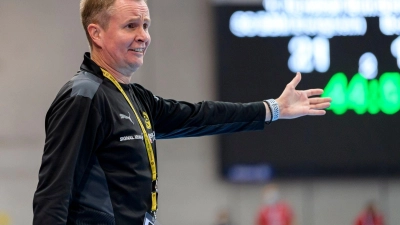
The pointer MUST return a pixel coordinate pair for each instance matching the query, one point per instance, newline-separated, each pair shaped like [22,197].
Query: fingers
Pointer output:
[314,112]
[317,106]
[312,92]
[321,105]
[319,100]
[296,80]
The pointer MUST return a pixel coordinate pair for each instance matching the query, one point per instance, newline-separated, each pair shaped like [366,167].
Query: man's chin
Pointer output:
[135,66]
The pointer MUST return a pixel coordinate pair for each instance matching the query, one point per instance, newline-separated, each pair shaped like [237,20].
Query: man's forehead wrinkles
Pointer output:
[140,13]
[142,8]
[139,17]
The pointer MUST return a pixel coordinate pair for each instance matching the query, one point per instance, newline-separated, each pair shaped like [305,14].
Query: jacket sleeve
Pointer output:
[175,119]
[71,128]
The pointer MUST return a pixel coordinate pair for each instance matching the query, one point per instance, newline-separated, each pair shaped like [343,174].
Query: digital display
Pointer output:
[350,48]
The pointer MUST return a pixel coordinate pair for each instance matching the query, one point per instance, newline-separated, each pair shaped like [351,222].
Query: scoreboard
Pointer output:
[350,48]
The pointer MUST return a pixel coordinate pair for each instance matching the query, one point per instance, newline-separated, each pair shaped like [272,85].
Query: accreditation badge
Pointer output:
[146,120]
[150,220]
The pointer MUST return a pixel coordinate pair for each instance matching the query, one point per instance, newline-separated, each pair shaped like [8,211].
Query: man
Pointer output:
[369,216]
[99,160]
[274,210]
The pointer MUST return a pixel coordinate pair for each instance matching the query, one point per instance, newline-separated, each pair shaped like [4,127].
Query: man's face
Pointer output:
[127,37]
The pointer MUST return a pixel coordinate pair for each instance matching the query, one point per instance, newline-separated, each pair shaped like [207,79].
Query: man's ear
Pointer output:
[95,33]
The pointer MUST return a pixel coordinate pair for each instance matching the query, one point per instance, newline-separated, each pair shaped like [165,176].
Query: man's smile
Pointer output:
[140,50]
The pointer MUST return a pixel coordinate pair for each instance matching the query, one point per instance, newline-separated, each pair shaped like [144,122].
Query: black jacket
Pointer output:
[95,168]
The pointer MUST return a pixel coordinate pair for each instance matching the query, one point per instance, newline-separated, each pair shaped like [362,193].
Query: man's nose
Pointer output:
[143,35]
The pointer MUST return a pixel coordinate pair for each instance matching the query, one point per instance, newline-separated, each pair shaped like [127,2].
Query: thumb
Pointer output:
[296,80]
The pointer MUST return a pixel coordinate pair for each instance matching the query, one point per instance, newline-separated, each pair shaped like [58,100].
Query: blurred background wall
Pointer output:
[41,47]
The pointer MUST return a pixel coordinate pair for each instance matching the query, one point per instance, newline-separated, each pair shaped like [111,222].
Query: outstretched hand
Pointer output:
[294,103]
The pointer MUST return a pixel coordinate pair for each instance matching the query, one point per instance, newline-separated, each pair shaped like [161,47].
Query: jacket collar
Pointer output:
[90,66]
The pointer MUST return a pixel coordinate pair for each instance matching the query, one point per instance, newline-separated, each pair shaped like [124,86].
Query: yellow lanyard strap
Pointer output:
[146,138]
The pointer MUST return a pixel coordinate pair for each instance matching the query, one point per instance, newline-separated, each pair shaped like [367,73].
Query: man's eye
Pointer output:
[131,25]
[145,26]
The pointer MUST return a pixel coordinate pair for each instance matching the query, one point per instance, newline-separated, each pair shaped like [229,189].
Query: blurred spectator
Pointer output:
[369,216]
[274,211]
[223,218]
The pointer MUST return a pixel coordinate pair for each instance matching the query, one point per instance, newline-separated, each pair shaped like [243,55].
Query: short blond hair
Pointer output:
[96,11]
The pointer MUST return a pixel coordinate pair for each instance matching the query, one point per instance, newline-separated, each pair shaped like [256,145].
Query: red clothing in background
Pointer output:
[276,214]
[369,219]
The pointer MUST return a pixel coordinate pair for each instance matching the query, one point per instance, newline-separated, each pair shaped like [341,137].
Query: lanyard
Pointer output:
[147,142]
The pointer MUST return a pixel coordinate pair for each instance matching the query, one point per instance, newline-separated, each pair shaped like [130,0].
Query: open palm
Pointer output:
[296,103]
